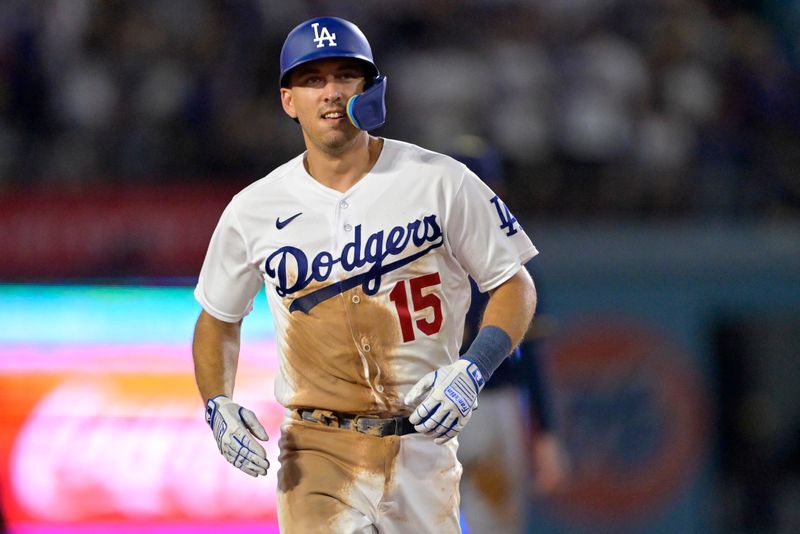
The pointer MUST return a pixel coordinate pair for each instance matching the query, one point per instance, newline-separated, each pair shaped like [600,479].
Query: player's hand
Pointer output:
[234,428]
[550,464]
[444,400]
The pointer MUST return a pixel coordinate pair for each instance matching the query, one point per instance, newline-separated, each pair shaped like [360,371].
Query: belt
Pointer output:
[366,424]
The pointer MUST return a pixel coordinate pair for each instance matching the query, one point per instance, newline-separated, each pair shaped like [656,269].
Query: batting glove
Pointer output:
[234,428]
[445,399]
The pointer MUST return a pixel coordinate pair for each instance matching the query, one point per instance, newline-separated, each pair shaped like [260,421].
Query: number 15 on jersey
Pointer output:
[422,304]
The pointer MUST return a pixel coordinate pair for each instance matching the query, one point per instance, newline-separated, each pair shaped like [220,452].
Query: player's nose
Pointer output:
[333,90]
[334,95]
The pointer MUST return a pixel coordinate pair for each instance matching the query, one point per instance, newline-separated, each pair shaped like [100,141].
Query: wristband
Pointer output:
[491,346]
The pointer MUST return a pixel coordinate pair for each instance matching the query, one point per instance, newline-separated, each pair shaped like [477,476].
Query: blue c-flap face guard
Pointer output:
[367,110]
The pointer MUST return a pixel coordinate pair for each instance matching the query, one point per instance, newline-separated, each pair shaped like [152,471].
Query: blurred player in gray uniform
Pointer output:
[496,446]
[364,247]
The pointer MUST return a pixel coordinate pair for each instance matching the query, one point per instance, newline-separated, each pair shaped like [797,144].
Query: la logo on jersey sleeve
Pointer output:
[507,221]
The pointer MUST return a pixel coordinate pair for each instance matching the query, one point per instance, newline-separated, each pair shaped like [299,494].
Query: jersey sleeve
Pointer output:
[229,281]
[484,236]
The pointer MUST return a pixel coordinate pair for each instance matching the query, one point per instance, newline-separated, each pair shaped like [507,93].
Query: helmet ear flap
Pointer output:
[367,110]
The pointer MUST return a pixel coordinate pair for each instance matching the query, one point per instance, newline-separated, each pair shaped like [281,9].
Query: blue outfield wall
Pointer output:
[633,361]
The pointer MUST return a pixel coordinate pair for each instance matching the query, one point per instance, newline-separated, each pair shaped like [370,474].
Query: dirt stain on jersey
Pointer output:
[338,356]
[376,333]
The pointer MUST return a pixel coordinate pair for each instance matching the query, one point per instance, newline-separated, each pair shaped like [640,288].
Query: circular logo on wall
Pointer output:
[632,413]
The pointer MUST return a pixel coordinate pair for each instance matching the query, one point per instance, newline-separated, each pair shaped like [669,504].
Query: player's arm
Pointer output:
[215,350]
[216,355]
[506,318]
[550,459]
[511,307]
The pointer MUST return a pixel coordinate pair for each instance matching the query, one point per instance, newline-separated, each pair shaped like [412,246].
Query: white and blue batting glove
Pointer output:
[234,428]
[445,399]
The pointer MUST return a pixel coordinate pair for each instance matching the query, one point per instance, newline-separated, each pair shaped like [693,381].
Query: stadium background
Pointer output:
[652,149]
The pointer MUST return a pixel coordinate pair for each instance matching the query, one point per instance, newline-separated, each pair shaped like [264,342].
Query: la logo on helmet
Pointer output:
[325,35]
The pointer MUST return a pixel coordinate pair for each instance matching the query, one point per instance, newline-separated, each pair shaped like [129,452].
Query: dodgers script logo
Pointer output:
[372,251]
[324,35]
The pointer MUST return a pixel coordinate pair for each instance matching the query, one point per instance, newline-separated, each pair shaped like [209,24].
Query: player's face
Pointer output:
[317,97]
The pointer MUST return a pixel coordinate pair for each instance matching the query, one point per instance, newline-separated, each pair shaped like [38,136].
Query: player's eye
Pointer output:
[350,74]
[312,80]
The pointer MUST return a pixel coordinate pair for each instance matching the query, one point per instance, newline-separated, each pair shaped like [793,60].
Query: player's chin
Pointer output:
[338,139]
[339,127]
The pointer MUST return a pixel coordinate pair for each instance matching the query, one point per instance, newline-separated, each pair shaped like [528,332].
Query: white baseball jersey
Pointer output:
[368,288]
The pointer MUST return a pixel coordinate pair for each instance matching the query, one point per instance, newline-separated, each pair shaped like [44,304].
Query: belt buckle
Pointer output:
[371,426]
[324,417]
[362,424]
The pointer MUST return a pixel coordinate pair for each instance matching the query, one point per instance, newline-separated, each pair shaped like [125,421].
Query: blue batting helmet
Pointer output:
[332,37]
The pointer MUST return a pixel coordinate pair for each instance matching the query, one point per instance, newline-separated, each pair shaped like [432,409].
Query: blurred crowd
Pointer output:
[610,108]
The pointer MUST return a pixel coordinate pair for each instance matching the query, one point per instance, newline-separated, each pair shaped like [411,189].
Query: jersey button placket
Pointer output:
[343,205]
[366,349]
[344,228]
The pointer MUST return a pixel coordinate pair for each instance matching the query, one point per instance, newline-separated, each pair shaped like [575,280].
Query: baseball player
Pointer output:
[493,449]
[364,246]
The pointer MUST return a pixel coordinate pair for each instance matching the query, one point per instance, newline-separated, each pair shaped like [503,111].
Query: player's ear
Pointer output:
[288,102]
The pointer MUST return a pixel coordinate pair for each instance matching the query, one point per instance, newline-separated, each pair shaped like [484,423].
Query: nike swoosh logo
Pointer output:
[279,224]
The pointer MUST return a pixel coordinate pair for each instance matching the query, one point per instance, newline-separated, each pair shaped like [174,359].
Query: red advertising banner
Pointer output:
[109,231]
